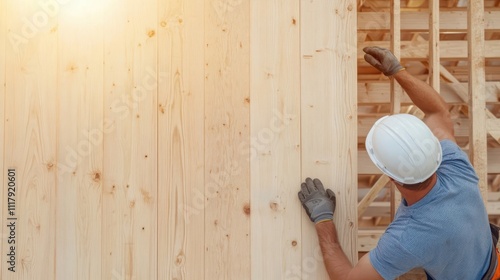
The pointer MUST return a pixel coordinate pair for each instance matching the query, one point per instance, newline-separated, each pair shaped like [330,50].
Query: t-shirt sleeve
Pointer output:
[455,164]
[391,259]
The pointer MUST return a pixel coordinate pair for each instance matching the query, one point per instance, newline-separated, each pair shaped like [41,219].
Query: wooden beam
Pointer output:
[365,165]
[476,57]
[462,92]
[382,208]
[493,127]
[449,50]
[418,21]
[434,75]
[380,211]
[396,90]
[461,125]
[462,77]
[372,194]
[368,239]
[414,3]
[379,92]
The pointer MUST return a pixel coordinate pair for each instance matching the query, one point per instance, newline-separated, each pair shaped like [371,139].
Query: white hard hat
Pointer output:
[404,148]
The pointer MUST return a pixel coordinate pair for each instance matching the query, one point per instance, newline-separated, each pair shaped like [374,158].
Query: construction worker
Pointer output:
[441,225]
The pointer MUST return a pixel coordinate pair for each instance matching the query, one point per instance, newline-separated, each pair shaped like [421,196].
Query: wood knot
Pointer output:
[246,209]
[274,206]
[146,196]
[294,243]
[96,177]
[180,259]
[50,165]
[151,33]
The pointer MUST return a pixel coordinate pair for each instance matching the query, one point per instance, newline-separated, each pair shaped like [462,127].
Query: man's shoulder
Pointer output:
[455,163]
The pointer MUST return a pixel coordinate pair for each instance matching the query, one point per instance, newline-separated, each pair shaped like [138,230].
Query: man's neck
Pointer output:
[413,196]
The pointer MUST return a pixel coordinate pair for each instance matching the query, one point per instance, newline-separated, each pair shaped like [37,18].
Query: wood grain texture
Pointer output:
[419,21]
[449,50]
[181,200]
[379,92]
[80,145]
[3,171]
[476,60]
[434,72]
[328,49]
[275,140]
[30,135]
[396,89]
[130,149]
[227,116]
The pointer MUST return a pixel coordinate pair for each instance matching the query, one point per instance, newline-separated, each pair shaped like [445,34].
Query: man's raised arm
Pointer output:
[437,116]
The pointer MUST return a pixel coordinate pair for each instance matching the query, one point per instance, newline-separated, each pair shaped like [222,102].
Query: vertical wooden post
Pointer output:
[181,176]
[396,90]
[434,73]
[275,126]
[227,121]
[80,96]
[329,117]
[478,144]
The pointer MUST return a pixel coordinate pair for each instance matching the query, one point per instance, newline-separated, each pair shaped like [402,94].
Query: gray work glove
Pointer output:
[383,60]
[318,203]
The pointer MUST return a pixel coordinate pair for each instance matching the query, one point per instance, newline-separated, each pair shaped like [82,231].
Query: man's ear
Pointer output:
[396,183]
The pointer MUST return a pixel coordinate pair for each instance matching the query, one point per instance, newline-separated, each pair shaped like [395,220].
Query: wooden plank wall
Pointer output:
[168,139]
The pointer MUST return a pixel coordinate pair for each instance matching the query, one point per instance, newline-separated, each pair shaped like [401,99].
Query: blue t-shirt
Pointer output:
[446,233]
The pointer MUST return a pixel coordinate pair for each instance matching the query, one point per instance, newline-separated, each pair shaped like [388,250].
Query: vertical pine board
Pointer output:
[275,149]
[478,140]
[31,141]
[80,144]
[227,174]
[181,147]
[3,182]
[129,231]
[329,149]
